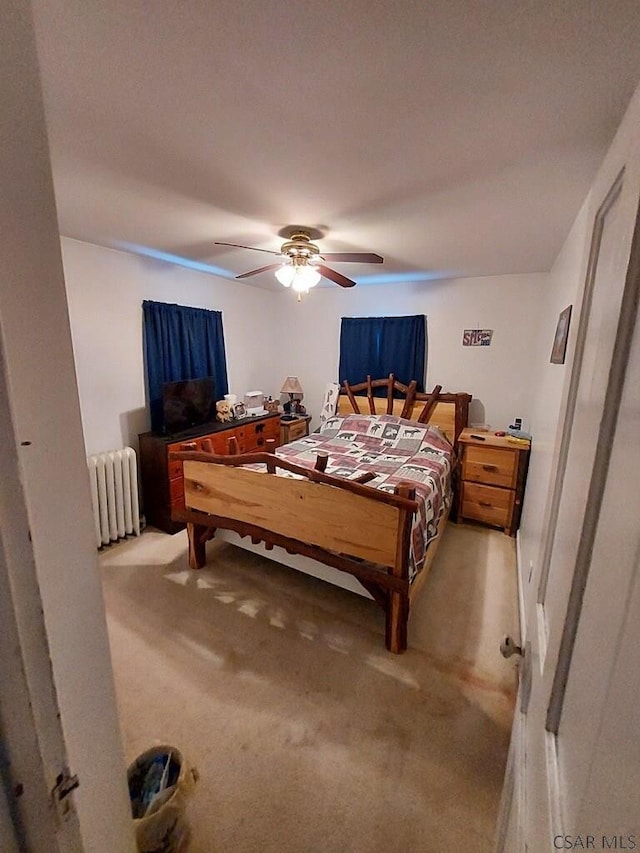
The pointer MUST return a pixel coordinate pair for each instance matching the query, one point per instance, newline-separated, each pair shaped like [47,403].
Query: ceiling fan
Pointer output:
[303,264]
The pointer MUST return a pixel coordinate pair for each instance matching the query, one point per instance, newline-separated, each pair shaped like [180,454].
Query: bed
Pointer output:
[368,494]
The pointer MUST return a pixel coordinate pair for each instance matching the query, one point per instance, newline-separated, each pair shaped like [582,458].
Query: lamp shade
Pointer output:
[291,385]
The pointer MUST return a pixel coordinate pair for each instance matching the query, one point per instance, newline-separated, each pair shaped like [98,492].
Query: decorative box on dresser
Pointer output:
[294,429]
[492,479]
[162,483]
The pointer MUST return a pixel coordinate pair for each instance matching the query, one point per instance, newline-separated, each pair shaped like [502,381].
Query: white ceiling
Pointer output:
[451,137]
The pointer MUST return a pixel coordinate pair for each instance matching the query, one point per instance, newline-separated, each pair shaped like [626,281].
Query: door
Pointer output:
[36,814]
[595,700]
[574,752]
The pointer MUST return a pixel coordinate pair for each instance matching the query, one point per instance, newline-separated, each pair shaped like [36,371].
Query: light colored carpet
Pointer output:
[308,735]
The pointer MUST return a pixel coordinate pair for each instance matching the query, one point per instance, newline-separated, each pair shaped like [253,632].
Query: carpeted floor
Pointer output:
[308,735]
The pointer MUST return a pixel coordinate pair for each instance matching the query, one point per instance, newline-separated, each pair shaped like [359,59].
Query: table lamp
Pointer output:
[291,386]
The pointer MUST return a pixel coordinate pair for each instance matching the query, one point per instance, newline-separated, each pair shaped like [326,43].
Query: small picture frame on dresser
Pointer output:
[239,411]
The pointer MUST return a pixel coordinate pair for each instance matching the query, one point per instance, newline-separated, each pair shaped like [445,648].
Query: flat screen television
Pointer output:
[188,404]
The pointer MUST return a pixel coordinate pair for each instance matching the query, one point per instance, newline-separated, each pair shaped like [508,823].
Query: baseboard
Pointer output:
[519,575]
[511,822]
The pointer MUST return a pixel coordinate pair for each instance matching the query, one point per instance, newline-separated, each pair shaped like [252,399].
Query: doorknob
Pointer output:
[509,648]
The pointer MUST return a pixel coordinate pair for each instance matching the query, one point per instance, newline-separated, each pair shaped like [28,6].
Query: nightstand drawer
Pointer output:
[298,429]
[295,429]
[487,504]
[490,465]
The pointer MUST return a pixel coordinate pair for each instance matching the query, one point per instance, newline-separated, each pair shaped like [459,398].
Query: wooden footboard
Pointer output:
[341,523]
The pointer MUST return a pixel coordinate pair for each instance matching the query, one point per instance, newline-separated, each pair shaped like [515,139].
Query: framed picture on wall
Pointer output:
[560,340]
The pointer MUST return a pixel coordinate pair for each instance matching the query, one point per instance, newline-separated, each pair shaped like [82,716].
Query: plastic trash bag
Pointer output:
[159,783]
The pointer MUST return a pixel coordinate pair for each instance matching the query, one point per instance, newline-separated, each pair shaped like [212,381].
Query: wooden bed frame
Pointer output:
[341,523]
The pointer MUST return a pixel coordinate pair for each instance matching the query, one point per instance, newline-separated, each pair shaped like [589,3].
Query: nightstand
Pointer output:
[492,480]
[295,429]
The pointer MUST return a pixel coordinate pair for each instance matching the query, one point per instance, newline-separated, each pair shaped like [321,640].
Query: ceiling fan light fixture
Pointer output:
[286,274]
[299,276]
[303,265]
[305,278]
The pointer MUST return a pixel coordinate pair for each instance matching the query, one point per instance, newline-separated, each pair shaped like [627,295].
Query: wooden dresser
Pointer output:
[492,480]
[162,484]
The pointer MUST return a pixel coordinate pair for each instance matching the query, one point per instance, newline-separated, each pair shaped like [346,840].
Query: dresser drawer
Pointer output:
[490,465]
[272,428]
[206,444]
[487,504]
[175,469]
[257,434]
[176,489]
[218,443]
[183,446]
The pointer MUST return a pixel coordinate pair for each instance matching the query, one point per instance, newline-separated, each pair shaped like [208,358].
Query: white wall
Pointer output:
[105,290]
[269,335]
[498,376]
[46,414]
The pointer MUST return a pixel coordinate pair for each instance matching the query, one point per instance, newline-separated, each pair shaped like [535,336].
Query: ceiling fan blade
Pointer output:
[262,269]
[333,275]
[253,248]
[353,257]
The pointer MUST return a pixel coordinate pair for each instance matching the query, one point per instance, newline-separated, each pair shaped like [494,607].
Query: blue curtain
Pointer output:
[378,346]
[181,343]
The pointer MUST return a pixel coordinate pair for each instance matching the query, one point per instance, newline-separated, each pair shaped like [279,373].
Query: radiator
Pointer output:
[114,494]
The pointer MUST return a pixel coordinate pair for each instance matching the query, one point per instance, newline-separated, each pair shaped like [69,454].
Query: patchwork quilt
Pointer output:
[395,450]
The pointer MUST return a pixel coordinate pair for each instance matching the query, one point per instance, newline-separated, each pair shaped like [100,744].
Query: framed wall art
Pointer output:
[477,337]
[560,340]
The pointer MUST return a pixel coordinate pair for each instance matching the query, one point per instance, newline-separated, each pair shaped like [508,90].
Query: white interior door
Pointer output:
[34,808]
[595,705]
[45,498]
[577,630]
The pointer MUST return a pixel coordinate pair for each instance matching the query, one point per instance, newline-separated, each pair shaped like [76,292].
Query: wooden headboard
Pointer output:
[449,412]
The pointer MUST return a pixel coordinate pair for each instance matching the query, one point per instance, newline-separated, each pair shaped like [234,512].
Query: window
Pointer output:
[378,346]
[181,343]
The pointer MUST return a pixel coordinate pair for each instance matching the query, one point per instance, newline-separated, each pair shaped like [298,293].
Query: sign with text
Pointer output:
[477,337]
